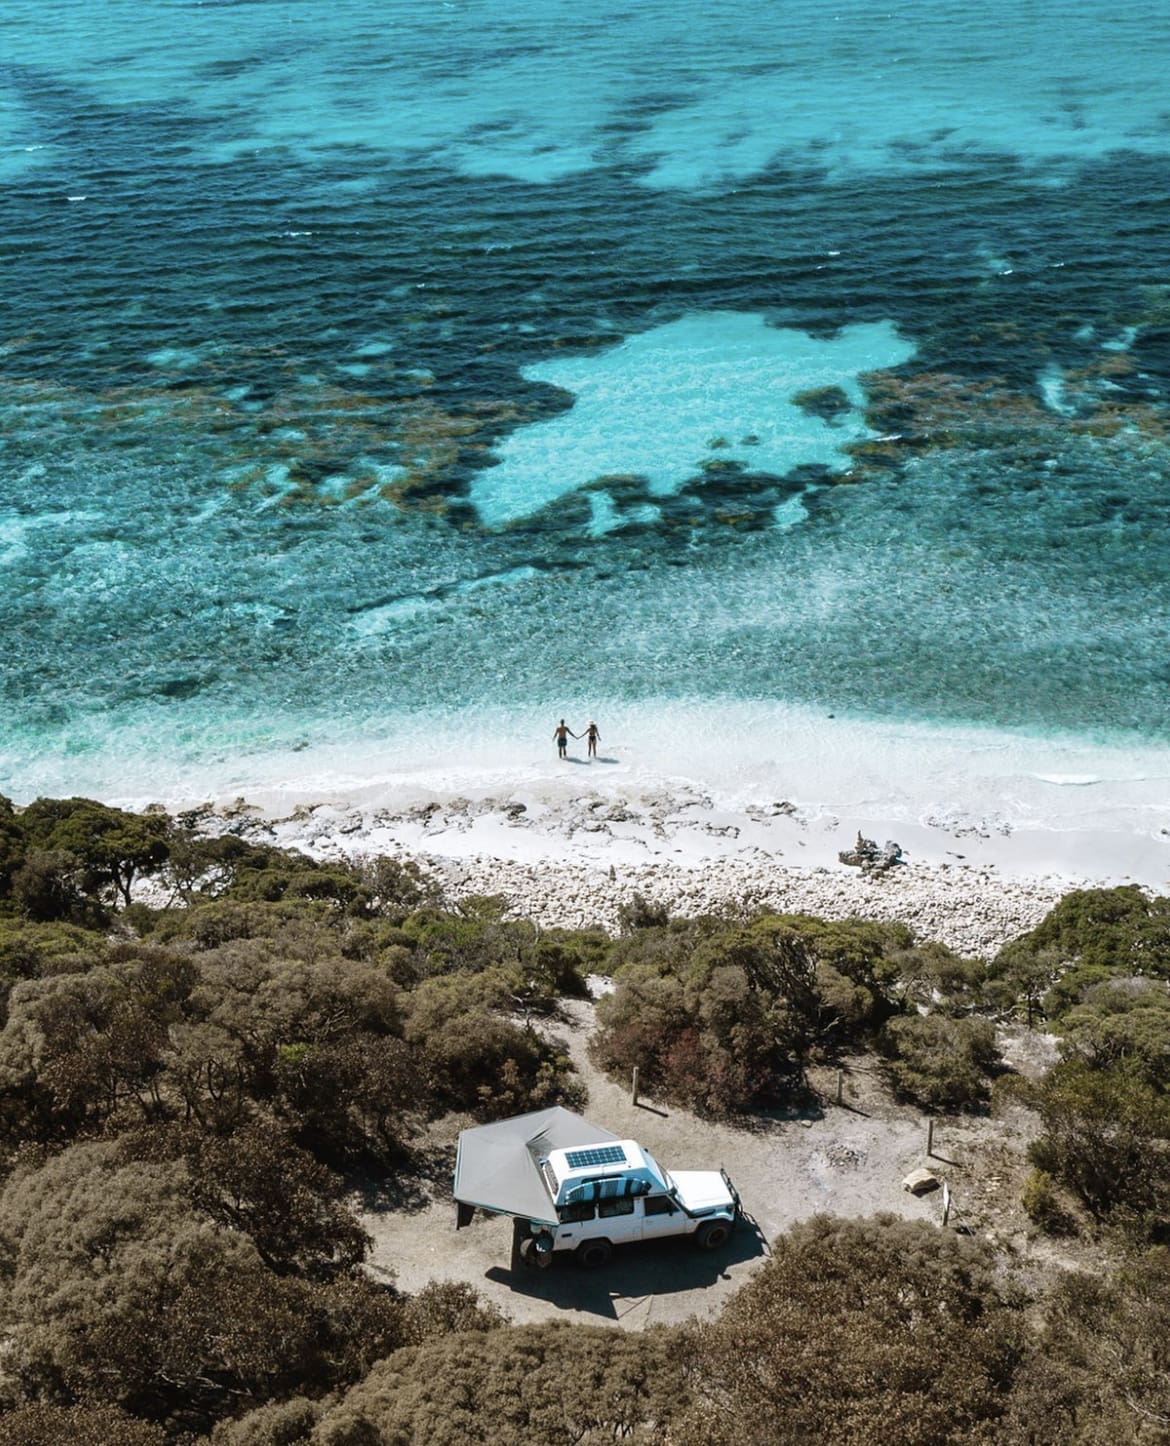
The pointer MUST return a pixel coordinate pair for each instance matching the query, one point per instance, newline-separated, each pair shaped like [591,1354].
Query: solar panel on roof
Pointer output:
[597,1155]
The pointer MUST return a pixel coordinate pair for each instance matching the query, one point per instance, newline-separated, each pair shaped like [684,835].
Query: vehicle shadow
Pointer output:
[660,1267]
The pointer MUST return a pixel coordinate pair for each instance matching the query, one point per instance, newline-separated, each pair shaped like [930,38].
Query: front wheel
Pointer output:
[712,1234]
[593,1254]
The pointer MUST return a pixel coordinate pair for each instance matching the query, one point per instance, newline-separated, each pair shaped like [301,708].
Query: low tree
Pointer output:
[113,847]
[48,884]
[12,845]
[1020,977]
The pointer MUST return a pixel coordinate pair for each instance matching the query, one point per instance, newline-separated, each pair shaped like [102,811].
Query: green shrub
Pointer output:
[1122,1024]
[1044,1205]
[1107,1138]
[940,1062]
[856,1332]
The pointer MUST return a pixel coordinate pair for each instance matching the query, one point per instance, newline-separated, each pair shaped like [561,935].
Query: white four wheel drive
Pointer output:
[572,1186]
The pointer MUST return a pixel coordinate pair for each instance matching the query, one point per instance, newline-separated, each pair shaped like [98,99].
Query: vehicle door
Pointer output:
[577,1223]
[619,1219]
[660,1217]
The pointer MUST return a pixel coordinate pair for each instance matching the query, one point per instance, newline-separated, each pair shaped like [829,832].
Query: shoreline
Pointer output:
[697,805]
[568,855]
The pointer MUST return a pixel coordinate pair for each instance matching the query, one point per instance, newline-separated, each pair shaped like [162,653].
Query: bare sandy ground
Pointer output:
[846,1160]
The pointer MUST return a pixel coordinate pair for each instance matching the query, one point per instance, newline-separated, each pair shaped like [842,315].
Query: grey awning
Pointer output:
[497,1166]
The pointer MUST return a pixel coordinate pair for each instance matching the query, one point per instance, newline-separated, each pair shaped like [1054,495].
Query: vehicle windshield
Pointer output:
[664,1175]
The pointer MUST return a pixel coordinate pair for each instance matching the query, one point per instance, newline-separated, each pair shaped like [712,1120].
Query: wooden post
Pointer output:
[929,1138]
[634,1089]
[840,1085]
[946,1203]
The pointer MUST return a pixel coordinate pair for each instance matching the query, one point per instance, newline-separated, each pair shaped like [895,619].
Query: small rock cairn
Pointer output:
[870,859]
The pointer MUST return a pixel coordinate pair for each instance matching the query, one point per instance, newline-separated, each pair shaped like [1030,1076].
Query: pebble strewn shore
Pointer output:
[574,863]
[970,910]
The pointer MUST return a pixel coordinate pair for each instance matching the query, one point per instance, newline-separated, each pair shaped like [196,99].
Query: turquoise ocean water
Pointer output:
[370,369]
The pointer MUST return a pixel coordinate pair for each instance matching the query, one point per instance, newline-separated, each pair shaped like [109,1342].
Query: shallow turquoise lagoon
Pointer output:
[366,368]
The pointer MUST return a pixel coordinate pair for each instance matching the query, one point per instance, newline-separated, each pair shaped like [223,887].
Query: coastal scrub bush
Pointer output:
[476,1058]
[1107,1138]
[1122,1024]
[1098,1365]
[941,1062]
[855,1331]
[121,1290]
[469,939]
[260,1182]
[555,1384]
[396,887]
[1090,936]
[722,1058]
[722,1017]
[639,912]
[44,1424]
[281,1423]
[1120,928]
[444,1307]
[1046,1206]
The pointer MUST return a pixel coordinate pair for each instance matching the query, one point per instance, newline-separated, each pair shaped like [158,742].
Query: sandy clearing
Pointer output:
[847,1161]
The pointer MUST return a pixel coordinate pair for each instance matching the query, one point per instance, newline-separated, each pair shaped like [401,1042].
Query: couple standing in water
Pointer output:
[562,733]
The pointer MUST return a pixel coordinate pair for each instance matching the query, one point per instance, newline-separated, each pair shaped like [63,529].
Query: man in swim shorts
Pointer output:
[562,733]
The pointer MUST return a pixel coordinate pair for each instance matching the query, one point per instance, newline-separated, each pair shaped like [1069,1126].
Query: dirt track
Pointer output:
[848,1160]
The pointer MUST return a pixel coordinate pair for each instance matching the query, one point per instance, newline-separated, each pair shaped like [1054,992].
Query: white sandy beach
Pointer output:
[993,829]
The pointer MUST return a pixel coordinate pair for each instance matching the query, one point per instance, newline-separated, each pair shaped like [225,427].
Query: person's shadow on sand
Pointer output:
[570,759]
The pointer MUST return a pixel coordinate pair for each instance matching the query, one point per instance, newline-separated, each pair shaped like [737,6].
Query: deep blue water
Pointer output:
[293,294]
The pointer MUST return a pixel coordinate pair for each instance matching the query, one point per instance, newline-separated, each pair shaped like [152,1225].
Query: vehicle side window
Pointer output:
[659,1205]
[622,1206]
[579,1210]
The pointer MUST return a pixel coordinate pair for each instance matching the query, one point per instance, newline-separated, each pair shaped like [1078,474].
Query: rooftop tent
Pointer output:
[497,1167]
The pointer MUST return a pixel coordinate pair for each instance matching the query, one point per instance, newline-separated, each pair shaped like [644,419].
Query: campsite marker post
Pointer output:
[634,1088]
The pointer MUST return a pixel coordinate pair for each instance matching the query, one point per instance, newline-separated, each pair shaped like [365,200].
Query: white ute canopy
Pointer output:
[536,1167]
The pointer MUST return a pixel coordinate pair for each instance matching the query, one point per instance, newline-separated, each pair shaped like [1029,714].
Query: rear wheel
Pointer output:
[712,1234]
[592,1254]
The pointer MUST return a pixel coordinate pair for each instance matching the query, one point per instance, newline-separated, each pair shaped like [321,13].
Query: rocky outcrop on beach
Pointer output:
[870,859]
